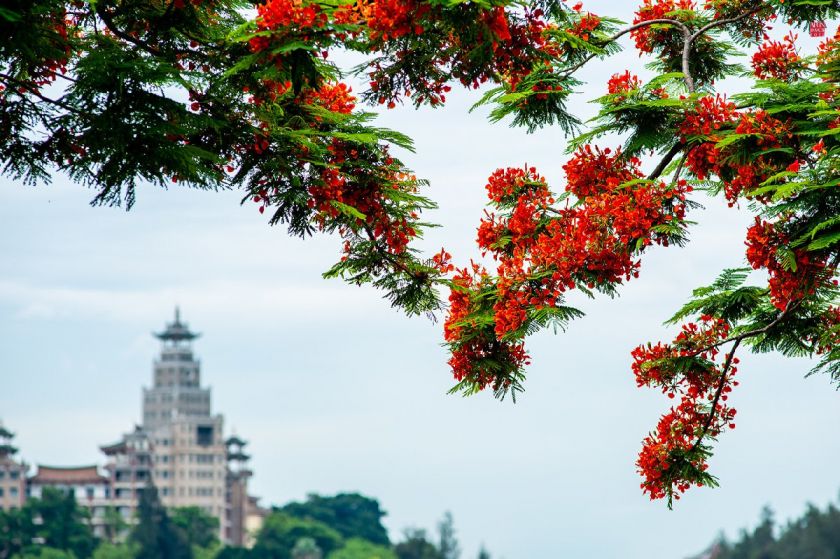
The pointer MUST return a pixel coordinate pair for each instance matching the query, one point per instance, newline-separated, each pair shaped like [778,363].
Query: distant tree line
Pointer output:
[345,526]
[815,535]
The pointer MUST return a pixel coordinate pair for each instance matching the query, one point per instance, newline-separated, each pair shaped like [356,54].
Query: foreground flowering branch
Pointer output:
[120,96]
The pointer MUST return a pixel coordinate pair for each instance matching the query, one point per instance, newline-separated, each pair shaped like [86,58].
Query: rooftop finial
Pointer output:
[177,331]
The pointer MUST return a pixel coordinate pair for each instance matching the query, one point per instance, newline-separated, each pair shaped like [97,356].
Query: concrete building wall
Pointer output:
[12,484]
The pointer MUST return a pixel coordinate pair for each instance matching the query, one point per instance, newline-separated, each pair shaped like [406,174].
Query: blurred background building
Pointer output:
[179,447]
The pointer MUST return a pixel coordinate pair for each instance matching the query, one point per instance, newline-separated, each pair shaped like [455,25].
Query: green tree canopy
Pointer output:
[815,535]
[415,545]
[62,524]
[350,514]
[155,534]
[15,531]
[448,543]
[42,552]
[281,532]
[107,550]
[357,548]
[198,527]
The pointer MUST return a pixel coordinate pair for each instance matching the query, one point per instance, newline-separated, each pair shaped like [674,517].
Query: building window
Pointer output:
[204,435]
[13,491]
[1,491]
[14,474]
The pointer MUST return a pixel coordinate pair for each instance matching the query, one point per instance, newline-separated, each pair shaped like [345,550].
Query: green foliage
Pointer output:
[16,529]
[356,548]
[199,528]
[155,535]
[281,532]
[115,551]
[43,552]
[306,548]
[350,514]
[114,525]
[416,546]
[63,524]
[815,534]
[448,545]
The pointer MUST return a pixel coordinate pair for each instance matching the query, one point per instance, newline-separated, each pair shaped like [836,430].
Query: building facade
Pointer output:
[129,469]
[189,456]
[90,488]
[179,447]
[12,473]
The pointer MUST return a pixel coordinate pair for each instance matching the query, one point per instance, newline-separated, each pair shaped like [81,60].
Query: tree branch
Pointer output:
[672,153]
[722,22]
[112,27]
[706,426]
[34,91]
[728,363]
[620,34]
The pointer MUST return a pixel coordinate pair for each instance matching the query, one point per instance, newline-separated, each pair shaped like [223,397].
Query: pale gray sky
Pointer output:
[337,392]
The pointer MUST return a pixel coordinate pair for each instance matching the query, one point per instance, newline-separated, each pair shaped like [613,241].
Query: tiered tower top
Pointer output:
[177,332]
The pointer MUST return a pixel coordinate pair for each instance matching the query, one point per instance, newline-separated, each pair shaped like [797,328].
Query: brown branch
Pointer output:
[728,363]
[722,22]
[753,333]
[718,393]
[672,153]
[686,60]
[620,34]
[112,27]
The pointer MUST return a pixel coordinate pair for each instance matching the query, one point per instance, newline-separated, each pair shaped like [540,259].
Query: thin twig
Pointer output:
[34,91]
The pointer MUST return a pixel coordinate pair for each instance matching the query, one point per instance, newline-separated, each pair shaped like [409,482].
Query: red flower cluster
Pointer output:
[585,26]
[277,14]
[623,83]
[285,16]
[671,459]
[391,19]
[478,357]
[777,59]
[831,326]
[593,171]
[648,39]
[335,97]
[789,281]
[342,181]
[703,129]
[829,50]
[542,252]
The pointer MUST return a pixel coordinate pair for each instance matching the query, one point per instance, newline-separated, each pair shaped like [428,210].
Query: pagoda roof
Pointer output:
[235,440]
[71,475]
[114,448]
[177,331]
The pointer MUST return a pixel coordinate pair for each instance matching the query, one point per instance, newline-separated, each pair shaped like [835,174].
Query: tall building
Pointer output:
[179,447]
[12,473]
[189,455]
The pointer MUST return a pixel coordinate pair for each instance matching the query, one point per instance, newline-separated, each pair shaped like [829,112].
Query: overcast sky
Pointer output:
[337,392]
